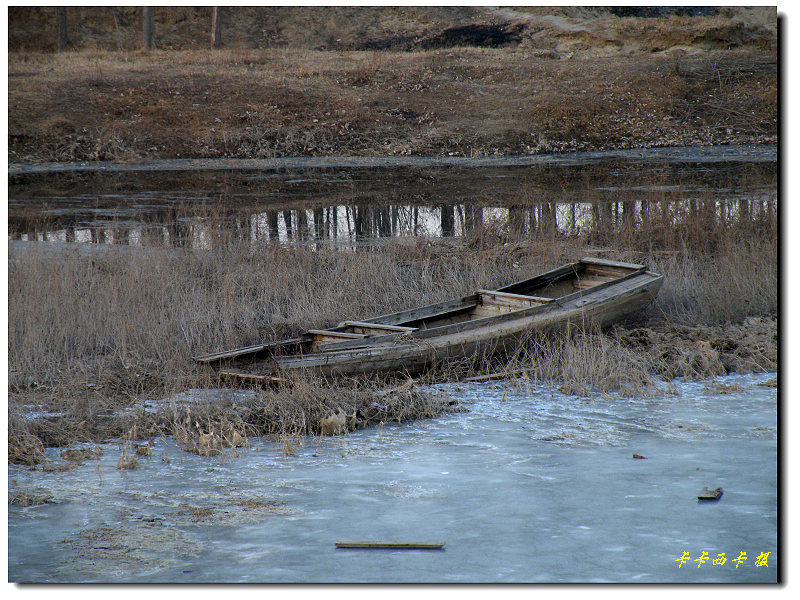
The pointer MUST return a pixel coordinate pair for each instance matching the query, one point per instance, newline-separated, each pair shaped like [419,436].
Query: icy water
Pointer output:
[363,201]
[530,485]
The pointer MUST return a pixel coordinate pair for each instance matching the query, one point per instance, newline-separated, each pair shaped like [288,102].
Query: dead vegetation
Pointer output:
[448,81]
[95,339]
[33,29]
[92,337]
[19,497]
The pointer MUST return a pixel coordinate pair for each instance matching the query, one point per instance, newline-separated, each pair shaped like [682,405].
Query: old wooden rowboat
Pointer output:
[590,292]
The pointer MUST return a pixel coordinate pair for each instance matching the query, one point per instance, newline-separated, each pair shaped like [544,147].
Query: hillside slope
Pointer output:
[371,81]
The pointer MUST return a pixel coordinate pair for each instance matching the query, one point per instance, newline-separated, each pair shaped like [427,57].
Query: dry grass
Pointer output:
[93,335]
[132,313]
[664,83]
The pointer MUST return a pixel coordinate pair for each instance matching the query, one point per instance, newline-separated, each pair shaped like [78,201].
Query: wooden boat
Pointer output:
[590,292]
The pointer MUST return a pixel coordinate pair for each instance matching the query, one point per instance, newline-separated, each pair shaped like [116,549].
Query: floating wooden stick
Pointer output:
[392,545]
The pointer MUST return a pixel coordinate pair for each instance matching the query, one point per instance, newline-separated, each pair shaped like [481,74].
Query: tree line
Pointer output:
[148,28]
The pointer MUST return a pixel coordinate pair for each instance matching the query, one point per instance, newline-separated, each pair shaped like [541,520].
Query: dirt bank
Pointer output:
[707,351]
[452,82]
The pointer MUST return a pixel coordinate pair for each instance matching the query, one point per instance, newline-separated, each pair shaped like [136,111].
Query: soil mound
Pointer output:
[474,35]
[482,36]
[649,12]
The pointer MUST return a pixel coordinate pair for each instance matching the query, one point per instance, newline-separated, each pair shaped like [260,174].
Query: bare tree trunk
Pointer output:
[61,18]
[116,28]
[216,27]
[148,27]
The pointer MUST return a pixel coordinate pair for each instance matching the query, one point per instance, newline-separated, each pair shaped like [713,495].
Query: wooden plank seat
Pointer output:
[367,329]
[509,298]
[590,281]
[319,337]
[492,302]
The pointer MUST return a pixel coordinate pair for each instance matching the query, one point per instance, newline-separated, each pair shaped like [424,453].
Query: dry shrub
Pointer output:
[306,407]
[741,281]
[585,360]
[24,447]
[29,498]
[127,462]
[310,407]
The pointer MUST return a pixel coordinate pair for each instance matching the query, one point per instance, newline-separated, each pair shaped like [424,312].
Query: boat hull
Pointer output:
[592,293]
[503,334]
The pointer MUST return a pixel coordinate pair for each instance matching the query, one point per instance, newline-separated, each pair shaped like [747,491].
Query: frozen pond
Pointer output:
[530,485]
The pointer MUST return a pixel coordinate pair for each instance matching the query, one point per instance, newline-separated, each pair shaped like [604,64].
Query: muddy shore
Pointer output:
[750,153]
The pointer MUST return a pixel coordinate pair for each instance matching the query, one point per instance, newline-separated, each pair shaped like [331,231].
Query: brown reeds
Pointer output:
[96,331]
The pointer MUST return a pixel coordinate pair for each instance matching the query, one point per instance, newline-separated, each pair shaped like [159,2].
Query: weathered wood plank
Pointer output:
[376,327]
[539,281]
[591,260]
[230,353]
[251,378]
[366,545]
[491,310]
[509,296]
[249,350]
[425,312]
[585,283]
[320,334]
[601,286]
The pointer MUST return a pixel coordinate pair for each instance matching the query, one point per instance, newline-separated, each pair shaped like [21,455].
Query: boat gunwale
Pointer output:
[443,308]
[344,356]
[462,326]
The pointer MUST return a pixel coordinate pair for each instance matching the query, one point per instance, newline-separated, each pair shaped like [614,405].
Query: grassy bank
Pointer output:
[100,333]
[558,83]
[95,334]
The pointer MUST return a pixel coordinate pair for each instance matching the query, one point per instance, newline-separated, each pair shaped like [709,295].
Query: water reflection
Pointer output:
[348,225]
[348,207]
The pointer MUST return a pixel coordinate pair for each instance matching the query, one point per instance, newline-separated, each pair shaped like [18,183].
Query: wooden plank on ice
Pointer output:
[370,545]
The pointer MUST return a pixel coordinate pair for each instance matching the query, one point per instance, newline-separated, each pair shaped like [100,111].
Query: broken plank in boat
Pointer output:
[236,376]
